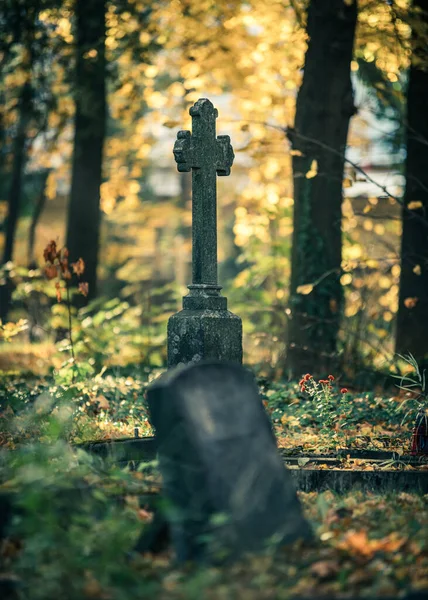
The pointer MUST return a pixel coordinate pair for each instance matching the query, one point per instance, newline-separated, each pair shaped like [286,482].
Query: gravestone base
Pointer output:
[194,335]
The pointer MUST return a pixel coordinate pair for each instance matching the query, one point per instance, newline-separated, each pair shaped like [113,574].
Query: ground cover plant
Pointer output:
[78,518]
[77,521]
[112,405]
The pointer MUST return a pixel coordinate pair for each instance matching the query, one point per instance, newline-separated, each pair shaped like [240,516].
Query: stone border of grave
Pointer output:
[306,477]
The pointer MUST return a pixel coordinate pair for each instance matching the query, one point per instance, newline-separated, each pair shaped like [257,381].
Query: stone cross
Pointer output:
[213,332]
[207,156]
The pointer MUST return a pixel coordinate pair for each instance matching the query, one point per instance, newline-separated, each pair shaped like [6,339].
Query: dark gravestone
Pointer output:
[227,488]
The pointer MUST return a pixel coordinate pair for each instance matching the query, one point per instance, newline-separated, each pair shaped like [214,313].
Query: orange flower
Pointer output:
[58,291]
[66,273]
[84,288]
[78,267]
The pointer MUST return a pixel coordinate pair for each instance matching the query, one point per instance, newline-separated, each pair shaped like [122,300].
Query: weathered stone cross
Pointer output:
[204,328]
[207,156]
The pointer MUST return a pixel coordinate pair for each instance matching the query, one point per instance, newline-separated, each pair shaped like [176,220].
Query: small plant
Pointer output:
[416,387]
[57,267]
[331,411]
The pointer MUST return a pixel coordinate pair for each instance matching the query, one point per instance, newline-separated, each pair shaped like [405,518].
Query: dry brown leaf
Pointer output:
[325,569]
[103,403]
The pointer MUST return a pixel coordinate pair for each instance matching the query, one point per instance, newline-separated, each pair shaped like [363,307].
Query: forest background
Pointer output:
[322,224]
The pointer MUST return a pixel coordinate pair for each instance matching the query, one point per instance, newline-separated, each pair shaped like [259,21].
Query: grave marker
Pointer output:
[228,489]
[204,328]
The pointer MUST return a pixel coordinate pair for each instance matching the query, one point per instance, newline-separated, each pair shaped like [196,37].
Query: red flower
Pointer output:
[331,377]
[344,391]
[302,388]
[307,377]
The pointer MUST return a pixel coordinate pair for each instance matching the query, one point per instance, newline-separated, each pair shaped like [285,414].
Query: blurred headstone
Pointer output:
[204,328]
[227,489]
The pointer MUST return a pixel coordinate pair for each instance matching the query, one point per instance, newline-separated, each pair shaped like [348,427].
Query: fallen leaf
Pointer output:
[103,403]
[325,569]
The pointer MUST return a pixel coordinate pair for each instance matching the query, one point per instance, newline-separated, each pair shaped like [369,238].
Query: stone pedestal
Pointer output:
[204,329]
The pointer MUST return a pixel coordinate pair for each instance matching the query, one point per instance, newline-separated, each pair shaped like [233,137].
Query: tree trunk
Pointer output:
[15,190]
[412,317]
[84,217]
[324,108]
[39,206]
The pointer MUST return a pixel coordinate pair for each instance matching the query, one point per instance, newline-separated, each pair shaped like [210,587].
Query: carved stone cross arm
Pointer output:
[202,148]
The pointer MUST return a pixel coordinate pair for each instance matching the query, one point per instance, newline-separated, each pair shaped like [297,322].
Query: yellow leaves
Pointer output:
[10,330]
[296,153]
[417,269]
[63,29]
[305,290]
[134,186]
[151,71]
[156,100]
[354,66]
[313,171]
[415,205]
[395,271]
[347,183]
[145,38]
[410,302]
[176,89]
[51,186]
